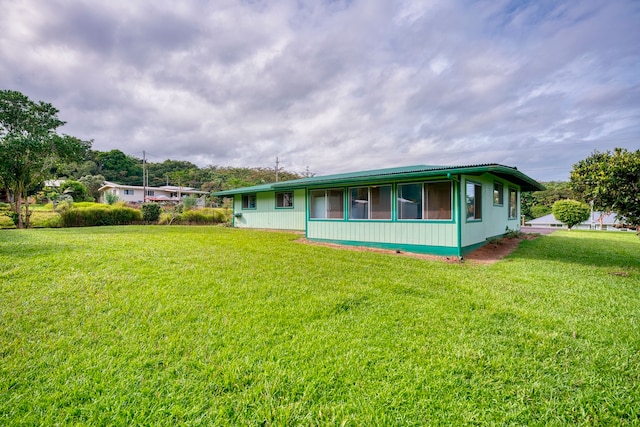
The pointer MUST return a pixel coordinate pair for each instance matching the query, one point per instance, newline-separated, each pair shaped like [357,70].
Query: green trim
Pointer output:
[419,249]
[468,249]
[307,213]
[458,189]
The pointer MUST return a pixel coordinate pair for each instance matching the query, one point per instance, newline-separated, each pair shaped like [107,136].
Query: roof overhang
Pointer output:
[506,173]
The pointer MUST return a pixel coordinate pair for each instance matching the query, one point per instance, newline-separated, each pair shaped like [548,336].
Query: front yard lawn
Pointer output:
[190,325]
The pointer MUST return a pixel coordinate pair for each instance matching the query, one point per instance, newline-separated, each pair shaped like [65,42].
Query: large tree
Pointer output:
[30,147]
[612,182]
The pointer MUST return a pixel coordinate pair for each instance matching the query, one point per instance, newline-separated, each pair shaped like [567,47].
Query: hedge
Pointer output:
[196,216]
[99,215]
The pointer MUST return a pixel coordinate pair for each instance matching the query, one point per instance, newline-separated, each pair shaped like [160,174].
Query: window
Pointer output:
[438,195]
[513,203]
[284,200]
[151,193]
[410,201]
[474,201]
[248,201]
[326,204]
[498,194]
[129,192]
[431,200]
[370,202]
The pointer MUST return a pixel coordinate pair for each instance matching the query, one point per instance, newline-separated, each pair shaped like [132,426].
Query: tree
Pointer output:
[118,167]
[612,182]
[75,189]
[538,203]
[30,147]
[93,183]
[571,212]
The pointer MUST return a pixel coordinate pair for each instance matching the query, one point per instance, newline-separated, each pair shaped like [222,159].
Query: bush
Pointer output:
[150,212]
[110,198]
[99,214]
[571,212]
[46,219]
[197,216]
[189,202]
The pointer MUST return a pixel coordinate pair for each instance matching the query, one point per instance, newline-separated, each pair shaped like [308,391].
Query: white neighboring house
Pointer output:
[165,193]
[596,221]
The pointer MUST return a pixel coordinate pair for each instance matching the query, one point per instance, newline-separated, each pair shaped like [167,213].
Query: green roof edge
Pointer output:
[408,172]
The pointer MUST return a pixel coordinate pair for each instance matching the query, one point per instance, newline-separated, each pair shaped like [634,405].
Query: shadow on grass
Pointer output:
[602,249]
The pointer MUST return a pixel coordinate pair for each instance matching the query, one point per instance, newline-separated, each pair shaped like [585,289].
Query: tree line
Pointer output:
[121,168]
[32,151]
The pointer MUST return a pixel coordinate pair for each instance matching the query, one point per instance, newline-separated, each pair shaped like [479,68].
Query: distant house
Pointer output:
[596,221]
[165,193]
[443,210]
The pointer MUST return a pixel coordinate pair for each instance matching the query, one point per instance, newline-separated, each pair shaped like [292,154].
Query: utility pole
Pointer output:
[277,168]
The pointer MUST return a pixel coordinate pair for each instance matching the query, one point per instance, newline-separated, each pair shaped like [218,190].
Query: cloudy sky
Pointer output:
[335,85]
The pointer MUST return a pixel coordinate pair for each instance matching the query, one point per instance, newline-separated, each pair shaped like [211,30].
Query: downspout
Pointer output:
[458,185]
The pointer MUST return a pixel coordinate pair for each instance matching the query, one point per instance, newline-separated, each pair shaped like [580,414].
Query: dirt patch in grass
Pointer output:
[490,253]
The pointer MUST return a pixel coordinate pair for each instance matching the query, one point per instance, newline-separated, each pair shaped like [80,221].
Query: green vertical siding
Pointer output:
[266,215]
[495,219]
[404,233]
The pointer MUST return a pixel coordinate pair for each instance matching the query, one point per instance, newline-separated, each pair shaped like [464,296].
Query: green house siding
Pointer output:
[401,233]
[495,218]
[266,215]
[454,236]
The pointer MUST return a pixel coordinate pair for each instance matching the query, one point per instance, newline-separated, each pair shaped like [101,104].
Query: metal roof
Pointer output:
[407,172]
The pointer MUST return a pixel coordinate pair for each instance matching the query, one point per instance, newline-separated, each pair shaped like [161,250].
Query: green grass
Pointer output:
[215,326]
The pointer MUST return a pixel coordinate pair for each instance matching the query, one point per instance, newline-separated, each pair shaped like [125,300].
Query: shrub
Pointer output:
[46,219]
[196,216]
[150,212]
[189,202]
[99,214]
[204,216]
[110,198]
[571,212]
[168,218]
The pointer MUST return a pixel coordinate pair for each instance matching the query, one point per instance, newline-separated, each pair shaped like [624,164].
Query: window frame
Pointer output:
[129,192]
[371,213]
[283,193]
[327,206]
[246,201]
[498,190]
[513,203]
[477,201]
[424,201]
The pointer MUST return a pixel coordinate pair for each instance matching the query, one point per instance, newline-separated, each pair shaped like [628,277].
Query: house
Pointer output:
[135,193]
[442,210]
[597,221]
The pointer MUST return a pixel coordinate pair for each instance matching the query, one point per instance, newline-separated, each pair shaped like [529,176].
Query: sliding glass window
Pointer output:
[326,204]
[438,195]
[429,200]
[370,202]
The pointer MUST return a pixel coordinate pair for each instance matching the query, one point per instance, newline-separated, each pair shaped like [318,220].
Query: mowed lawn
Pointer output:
[216,326]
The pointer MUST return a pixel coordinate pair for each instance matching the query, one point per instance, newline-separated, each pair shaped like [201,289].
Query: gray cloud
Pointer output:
[335,85]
